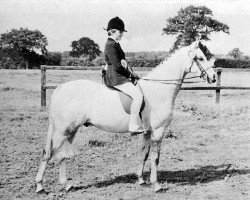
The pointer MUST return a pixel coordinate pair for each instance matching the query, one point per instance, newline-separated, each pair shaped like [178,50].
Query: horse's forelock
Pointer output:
[205,51]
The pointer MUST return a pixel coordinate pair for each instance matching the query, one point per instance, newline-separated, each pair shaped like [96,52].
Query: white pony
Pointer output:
[84,102]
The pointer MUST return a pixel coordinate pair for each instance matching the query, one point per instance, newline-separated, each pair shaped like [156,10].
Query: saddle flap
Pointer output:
[126,100]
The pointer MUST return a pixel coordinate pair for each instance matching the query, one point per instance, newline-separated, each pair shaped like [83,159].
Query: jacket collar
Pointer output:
[113,40]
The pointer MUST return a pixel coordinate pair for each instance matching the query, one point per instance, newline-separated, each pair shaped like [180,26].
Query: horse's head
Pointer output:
[200,65]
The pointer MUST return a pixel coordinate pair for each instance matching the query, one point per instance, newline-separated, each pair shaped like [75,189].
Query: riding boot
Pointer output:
[135,126]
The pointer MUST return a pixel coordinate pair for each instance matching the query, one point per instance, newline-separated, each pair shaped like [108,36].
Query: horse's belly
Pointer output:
[112,125]
[108,113]
[110,120]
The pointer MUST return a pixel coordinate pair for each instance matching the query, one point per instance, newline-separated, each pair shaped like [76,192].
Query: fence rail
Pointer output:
[217,88]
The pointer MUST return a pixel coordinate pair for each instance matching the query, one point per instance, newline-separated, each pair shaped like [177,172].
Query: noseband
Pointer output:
[202,70]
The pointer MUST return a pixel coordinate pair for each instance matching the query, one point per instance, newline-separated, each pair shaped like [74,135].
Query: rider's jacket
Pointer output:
[116,74]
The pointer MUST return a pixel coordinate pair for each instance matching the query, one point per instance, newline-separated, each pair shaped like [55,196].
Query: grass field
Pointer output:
[205,152]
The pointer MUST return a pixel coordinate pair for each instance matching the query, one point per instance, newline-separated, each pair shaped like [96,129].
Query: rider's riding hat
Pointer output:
[116,23]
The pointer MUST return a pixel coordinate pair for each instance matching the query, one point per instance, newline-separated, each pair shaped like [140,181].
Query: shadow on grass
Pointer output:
[204,174]
[187,177]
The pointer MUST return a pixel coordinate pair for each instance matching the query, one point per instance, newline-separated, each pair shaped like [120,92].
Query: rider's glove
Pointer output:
[135,76]
[124,63]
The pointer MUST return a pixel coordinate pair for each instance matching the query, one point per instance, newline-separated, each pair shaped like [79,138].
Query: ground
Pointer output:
[205,153]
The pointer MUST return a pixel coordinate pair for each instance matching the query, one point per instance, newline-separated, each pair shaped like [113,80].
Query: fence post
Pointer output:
[218,84]
[43,82]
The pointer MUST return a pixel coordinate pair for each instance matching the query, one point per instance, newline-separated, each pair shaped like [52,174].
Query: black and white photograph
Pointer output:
[124,100]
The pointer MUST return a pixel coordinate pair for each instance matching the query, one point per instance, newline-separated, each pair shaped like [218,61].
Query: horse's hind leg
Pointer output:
[66,152]
[46,156]
[56,138]
[144,152]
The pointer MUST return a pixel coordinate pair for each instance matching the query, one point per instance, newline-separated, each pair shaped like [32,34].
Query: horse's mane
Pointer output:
[170,61]
[205,51]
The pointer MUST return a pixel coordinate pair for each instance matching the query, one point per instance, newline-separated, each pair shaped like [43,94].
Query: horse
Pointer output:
[84,102]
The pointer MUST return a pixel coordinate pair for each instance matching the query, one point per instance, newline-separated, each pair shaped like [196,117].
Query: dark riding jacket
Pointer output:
[116,74]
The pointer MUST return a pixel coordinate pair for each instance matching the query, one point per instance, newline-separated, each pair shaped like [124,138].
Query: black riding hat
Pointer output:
[116,23]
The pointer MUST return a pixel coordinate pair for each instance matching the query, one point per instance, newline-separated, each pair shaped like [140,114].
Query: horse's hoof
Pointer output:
[42,191]
[157,187]
[141,182]
[70,188]
[39,189]
[162,190]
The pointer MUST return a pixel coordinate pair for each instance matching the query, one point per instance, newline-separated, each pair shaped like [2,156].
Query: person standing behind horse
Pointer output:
[119,76]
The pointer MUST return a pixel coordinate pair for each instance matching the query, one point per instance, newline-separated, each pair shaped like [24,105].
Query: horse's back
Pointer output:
[85,100]
[76,88]
[78,92]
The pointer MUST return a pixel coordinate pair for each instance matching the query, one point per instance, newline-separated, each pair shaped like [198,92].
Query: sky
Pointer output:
[63,21]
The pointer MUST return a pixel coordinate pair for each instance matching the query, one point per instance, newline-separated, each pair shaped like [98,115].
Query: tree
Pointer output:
[85,47]
[65,54]
[235,53]
[53,58]
[191,22]
[23,44]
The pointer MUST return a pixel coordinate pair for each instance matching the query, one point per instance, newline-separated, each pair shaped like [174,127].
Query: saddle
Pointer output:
[126,100]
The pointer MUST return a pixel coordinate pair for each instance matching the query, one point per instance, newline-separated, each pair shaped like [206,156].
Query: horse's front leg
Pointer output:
[156,139]
[144,152]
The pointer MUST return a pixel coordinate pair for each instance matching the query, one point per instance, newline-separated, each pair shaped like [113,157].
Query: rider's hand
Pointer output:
[124,63]
[135,76]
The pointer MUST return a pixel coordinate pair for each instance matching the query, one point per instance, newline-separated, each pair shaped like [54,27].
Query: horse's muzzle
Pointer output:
[211,80]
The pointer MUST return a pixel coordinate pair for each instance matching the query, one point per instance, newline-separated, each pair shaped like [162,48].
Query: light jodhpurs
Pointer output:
[136,94]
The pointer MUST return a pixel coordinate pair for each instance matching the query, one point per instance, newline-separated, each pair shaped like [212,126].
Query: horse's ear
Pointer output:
[195,44]
[198,36]
[191,53]
[197,41]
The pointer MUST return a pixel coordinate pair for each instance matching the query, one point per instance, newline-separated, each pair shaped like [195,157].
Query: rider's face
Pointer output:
[118,35]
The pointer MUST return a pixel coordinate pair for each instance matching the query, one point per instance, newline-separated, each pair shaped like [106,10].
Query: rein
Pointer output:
[162,81]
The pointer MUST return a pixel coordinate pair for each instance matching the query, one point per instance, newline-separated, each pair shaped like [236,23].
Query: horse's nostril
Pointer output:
[214,79]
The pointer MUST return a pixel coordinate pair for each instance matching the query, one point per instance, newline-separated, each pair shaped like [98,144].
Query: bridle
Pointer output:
[171,81]
[202,70]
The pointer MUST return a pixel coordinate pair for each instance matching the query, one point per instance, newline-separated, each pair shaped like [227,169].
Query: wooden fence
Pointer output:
[217,88]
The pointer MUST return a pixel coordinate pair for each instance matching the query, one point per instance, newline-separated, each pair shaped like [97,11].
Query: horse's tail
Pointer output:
[48,147]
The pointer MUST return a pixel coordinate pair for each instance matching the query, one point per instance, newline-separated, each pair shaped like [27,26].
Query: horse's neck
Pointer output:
[173,72]
[171,69]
